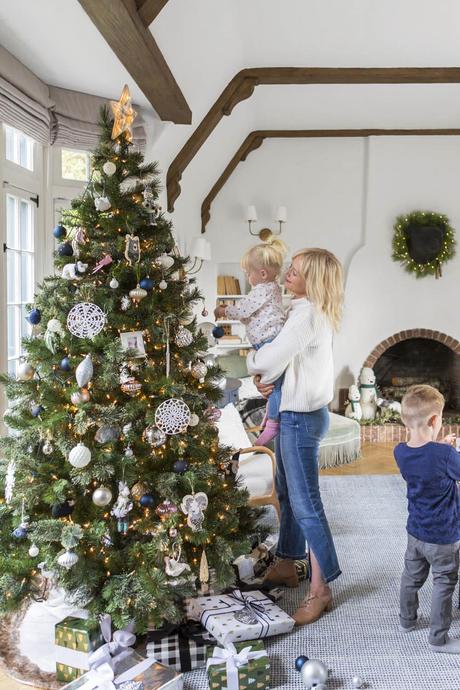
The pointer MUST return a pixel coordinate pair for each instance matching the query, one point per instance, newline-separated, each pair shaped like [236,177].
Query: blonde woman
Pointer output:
[303,351]
[263,314]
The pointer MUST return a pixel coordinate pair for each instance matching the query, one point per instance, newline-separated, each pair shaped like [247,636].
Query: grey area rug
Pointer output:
[360,635]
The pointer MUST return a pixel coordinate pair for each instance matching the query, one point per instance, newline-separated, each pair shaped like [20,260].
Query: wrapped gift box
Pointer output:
[237,617]
[255,674]
[74,642]
[182,647]
[132,672]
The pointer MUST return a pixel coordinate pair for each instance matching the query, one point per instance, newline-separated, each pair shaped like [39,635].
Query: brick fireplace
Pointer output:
[417,355]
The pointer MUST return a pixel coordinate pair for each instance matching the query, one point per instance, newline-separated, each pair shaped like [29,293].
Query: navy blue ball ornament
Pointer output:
[299,662]
[34,317]
[147,501]
[65,364]
[147,283]
[59,231]
[20,532]
[64,509]
[218,332]
[65,249]
[180,466]
[37,410]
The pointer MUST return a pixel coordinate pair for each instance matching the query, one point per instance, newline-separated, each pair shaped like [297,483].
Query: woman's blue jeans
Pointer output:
[302,513]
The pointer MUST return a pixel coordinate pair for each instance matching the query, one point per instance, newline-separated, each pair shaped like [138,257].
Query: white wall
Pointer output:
[344,194]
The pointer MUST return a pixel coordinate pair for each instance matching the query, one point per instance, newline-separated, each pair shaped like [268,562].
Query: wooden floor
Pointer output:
[375,459]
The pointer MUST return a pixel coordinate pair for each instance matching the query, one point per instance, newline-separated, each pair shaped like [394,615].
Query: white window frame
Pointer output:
[60,181]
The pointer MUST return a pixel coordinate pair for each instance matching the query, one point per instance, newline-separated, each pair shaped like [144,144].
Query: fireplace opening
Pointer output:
[419,360]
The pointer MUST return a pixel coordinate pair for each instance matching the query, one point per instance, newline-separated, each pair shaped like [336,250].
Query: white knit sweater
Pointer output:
[303,349]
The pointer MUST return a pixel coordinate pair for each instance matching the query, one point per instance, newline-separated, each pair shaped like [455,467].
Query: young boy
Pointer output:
[431,471]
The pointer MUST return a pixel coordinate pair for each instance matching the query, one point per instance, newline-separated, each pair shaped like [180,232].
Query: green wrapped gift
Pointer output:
[75,641]
[231,668]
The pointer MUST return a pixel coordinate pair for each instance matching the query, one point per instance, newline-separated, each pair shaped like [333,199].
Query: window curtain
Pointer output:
[49,114]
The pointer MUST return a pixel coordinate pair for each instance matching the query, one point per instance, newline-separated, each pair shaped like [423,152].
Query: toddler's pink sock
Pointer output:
[271,430]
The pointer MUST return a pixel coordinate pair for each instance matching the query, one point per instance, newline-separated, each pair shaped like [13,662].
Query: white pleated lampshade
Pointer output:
[200,249]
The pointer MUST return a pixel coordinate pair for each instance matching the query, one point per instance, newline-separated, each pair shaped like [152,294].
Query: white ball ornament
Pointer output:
[114,283]
[34,551]
[357,682]
[84,371]
[314,672]
[102,496]
[194,420]
[55,326]
[25,371]
[109,168]
[80,456]
[67,559]
[163,285]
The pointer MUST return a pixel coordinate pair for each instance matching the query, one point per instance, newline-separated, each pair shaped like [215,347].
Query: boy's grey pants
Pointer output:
[444,562]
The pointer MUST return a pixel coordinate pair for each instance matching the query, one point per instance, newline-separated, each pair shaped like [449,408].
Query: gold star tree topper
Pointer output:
[124,115]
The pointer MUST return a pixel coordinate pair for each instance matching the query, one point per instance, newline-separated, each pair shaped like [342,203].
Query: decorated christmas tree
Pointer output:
[112,473]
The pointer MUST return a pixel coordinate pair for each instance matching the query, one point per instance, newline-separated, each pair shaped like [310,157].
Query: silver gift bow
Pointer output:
[233,660]
[103,677]
[115,645]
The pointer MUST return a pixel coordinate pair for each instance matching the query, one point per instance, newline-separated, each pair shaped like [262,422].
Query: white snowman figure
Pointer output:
[353,409]
[368,393]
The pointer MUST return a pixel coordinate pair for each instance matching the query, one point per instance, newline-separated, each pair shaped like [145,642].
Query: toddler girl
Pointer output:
[261,311]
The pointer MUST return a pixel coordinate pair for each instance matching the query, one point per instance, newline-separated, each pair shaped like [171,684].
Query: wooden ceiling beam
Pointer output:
[120,24]
[255,139]
[148,10]
[242,86]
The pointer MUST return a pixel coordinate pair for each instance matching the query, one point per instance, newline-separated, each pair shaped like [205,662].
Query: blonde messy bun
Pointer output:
[269,254]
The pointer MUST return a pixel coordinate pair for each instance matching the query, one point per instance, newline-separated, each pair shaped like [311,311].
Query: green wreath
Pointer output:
[422,242]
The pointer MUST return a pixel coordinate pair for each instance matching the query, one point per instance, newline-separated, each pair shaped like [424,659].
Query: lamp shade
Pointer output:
[200,249]
[282,214]
[251,214]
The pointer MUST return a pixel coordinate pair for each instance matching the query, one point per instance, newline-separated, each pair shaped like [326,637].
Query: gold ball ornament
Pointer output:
[138,490]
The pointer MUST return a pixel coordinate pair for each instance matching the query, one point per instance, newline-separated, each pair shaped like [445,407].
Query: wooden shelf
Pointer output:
[227,322]
[230,296]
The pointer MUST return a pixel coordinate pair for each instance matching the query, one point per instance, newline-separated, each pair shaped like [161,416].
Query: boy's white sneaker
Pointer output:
[449,647]
[407,630]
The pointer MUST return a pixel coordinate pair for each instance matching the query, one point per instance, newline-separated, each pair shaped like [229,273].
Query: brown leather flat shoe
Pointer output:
[282,572]
[312,608]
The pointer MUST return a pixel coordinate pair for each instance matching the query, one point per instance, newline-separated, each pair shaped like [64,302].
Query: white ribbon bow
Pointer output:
[233,660]
[115,645]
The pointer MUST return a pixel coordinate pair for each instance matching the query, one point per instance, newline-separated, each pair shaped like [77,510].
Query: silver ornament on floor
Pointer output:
[154,436]
[80,456]
[84,371]
[314,672]
[357,682]
[67,559]
[102,496]
[183,338]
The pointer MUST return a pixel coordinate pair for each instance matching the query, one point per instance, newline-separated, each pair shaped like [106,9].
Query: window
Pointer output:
[19,148]
[20,242]
[75,165]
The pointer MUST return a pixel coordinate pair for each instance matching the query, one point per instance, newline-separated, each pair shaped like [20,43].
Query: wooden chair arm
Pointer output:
[265,451]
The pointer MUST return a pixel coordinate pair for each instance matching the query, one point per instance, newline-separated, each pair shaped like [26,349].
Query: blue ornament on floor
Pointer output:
[37,410]
[34,317]
[299,662]
[147,501]
[180,466]
[65,249]
[59,231]
[147,283]
[218,332]
[65,364]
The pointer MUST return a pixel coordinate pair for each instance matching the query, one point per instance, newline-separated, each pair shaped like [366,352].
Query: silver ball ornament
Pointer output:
[114,283]
[34,551]
[25,371]
[184,337]
[314,672]
[102,496]
[76,398]
[357,682]
[154,436]
[220,382]
[163,285]
[47,448]
[194,420]
[128,452]
[109,168]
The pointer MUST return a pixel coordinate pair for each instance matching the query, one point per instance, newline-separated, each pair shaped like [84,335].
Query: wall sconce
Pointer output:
[265,233]
[200,251]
